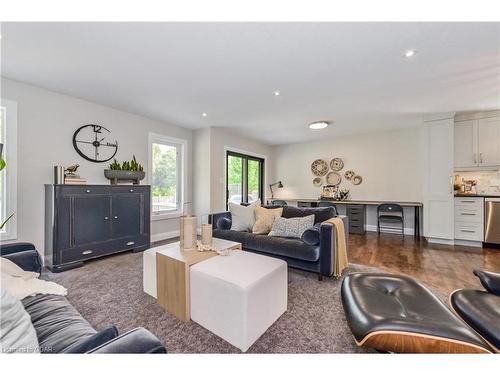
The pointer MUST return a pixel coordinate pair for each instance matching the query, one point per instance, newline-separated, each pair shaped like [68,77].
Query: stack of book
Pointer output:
[75,180]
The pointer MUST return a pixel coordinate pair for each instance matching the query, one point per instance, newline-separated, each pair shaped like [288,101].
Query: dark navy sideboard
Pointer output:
[88,221]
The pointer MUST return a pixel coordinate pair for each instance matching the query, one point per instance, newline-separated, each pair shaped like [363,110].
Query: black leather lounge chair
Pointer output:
[394,313]
[481,309]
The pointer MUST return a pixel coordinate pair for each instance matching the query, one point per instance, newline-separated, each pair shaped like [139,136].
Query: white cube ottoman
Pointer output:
[238,297]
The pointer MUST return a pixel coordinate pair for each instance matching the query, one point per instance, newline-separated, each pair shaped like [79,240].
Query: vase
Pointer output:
[188,235]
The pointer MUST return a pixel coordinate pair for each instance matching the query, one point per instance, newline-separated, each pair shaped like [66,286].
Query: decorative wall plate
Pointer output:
[333,178]
[317,181]
[319,167]
[336,164]
[356,180]
[349,175]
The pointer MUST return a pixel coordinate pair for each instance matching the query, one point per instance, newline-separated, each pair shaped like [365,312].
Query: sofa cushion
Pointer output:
[243,217]
[293,227]
[320,213]
[287,247]
[17,334]
[57,324]
[224,223]
[264,219]
[311,235]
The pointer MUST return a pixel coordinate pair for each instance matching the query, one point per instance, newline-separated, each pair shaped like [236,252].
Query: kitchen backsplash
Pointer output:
[487,181]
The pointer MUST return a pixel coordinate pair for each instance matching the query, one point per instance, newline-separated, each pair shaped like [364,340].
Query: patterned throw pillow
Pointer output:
[264,219]
[293,227]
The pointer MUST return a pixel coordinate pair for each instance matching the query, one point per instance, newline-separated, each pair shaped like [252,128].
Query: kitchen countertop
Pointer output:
[490,195]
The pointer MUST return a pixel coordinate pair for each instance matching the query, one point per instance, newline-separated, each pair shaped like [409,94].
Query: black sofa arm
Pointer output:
[214,219]
[136,341]
[327,245]
[16,247]
[23,254]
[489,280]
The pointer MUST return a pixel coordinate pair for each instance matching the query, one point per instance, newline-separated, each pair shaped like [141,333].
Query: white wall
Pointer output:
[46,122]
[389,162]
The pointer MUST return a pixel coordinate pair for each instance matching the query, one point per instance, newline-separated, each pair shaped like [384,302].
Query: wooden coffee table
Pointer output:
[172,275]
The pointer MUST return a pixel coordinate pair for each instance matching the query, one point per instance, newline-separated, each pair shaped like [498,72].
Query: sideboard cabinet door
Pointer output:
[127,215]
[91,219]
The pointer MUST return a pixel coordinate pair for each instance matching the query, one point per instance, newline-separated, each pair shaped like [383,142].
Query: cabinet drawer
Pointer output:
[469,231]
[470,214]
[356,229]
[469,202]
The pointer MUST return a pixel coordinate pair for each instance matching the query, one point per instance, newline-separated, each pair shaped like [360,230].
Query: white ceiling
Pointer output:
[351,73]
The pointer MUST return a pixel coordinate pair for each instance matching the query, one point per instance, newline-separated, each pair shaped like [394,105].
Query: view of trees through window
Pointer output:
[243,174]
[2,174]
[164,177]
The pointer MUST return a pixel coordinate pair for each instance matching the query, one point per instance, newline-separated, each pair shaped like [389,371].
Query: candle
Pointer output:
[206,234]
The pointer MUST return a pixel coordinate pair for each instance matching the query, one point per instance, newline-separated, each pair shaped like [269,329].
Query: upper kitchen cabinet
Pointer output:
[477,141]
[489,141]
[465,148]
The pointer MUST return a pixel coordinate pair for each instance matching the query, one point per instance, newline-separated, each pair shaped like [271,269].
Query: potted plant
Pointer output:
[128,171]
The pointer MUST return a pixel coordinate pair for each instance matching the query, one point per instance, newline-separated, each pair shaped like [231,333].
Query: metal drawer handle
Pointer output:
[87,191]
[467,214]
[468,201]
[106,218]
[130,243]
[467,231]
[116,217]
[131,190]
[87,252]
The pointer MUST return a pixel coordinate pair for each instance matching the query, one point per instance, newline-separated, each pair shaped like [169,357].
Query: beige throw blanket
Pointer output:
[340,252]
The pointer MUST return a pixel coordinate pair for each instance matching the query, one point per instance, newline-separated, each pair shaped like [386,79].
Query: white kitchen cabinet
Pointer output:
[438,179]
[489,141]
[465,149]
[477,143]
[469,219]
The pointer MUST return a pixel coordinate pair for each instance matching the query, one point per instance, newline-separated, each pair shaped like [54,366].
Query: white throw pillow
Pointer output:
[243,218]
[293,227]
[17,334]
[21,284]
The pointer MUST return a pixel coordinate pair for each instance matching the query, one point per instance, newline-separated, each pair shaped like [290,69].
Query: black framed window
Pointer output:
[244,178]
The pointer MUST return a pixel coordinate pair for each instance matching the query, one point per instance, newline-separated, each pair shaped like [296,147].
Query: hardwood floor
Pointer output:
[442,267]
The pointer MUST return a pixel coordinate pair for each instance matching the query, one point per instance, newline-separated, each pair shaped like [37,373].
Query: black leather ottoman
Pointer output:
[397,314]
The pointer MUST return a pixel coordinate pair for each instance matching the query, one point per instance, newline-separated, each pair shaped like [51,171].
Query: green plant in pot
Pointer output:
[128,171]
[3,164]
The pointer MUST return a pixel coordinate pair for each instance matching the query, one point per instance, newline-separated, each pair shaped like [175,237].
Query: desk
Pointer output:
[418,206]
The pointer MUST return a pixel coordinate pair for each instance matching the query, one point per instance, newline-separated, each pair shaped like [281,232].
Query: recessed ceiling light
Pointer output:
[204,114]
[276,93]
[409,53]
[318,125]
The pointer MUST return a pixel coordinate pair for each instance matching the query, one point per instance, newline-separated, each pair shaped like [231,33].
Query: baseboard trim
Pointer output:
[440,241]
[373,228]
[469,243]
[165,235]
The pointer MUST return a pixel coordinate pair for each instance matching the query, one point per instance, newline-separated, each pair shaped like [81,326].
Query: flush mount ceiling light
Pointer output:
[409,53]
[318,125]
[276,93]
[204,114]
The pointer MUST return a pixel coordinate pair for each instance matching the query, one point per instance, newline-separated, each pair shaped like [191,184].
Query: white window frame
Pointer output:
[10,172]
[181,145]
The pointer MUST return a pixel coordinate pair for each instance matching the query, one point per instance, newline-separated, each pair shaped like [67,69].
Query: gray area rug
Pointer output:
[109,291]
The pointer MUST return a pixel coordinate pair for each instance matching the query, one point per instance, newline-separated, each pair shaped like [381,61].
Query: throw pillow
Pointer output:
[243,217]
[17,334]
[21,284]
[293,227]
[311,235]
[264,219]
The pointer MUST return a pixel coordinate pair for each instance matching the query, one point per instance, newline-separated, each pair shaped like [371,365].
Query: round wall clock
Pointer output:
[90,142]
[336,164]
[319,167]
